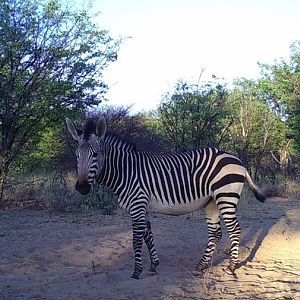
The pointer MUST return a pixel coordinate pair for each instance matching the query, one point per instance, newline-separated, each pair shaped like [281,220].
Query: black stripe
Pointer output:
[178,183]
[119,176]
[147,165]
[228,204]
[175,182]
[210,158]
[232,195]
[164,181]
[194,156]
[227,179]
[156,176]
[199,173]
[111,169]
[204,183]
[121,184]
[183,179]
[222,163]
[143,166]
[167,170]
[231,213]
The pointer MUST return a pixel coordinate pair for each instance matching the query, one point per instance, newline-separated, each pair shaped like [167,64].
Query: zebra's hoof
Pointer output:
[230,270]
[152,270]
[201,268]
[135,276]
[195,272]
[153,267]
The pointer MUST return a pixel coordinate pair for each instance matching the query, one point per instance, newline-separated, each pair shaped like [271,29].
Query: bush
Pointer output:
[101,199]
[55,190]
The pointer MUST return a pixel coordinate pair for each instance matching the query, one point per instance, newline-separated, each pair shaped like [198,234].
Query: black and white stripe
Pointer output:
[171,184]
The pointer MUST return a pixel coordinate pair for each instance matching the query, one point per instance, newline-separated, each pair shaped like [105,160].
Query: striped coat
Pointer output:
[175,184]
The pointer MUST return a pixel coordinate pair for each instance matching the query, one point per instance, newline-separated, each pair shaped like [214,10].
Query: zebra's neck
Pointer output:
[119,163]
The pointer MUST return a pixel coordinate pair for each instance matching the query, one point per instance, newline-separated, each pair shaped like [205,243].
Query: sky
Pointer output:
[171,40]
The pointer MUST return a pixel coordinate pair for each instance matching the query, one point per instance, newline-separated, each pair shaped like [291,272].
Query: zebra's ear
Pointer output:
[101,128]
[75,133]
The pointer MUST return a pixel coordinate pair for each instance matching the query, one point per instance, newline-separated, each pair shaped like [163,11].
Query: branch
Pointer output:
[224,130]
[274,157]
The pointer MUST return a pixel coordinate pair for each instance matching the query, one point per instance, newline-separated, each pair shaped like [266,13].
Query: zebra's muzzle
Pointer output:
[83,187]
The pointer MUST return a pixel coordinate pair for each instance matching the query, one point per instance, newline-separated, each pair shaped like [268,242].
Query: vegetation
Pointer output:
[193,116]
[51,61]
[280,84]
[52,57]
[252,137]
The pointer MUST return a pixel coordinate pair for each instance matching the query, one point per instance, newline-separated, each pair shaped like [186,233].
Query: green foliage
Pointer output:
[101,199]
[136,128]
[280,84]
[256,130]
[193,116]
[51,62]
[43,153]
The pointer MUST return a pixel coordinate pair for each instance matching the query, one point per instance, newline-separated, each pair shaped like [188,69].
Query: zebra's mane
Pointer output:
[113,139]
[89,128]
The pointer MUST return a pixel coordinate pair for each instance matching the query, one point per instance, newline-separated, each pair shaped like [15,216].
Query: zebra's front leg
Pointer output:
[138,227]
[149,240]
[214,235]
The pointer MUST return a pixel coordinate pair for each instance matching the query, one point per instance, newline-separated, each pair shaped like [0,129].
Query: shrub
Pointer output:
[55,190]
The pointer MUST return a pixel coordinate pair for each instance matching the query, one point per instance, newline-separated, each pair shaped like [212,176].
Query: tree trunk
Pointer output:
[3,179]
[2,182]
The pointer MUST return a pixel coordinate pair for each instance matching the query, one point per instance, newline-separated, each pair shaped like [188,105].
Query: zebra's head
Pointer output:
[90,154]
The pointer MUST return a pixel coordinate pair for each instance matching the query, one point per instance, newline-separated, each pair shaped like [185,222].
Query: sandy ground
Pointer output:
[47,255]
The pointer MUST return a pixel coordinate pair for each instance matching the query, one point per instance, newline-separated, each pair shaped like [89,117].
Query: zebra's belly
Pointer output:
[178,208]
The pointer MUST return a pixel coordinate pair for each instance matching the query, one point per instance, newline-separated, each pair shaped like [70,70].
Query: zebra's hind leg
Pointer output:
[149,240]
[227,203]
[138,227]
[212,214]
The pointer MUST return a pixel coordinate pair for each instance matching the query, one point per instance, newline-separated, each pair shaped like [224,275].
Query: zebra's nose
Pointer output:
[83,187]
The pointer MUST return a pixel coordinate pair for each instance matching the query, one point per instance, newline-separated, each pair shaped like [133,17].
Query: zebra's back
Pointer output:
[180,183]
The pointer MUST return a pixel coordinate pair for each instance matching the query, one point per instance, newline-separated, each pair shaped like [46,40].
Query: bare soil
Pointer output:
[48,255]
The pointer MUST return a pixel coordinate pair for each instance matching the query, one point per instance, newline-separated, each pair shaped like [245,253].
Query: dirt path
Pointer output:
[46,255]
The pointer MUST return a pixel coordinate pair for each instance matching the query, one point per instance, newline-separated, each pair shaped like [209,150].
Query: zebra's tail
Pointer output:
[259,193]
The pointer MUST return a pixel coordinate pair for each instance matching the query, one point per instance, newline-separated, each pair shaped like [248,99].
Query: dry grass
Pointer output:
[292,188]
[45,190]
[56,191]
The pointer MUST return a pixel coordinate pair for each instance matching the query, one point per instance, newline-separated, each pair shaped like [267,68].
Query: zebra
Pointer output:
[171,183]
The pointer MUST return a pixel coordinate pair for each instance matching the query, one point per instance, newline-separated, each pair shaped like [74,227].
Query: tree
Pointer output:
[133,127]
[51,62]
[46,151]
[193,116]
[280,86]
[256,130]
